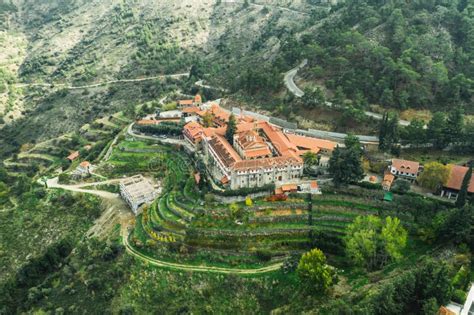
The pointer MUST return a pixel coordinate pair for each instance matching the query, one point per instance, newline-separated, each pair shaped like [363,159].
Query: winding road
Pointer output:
[289,81]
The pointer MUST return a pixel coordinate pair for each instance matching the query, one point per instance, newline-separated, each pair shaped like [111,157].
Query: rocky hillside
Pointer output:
[62,43]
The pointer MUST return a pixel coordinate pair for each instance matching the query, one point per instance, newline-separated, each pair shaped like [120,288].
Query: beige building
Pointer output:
[137,191]
[261,153]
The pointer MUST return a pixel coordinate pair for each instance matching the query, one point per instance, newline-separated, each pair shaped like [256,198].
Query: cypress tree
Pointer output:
[383,131]
[231,128]
[461,201]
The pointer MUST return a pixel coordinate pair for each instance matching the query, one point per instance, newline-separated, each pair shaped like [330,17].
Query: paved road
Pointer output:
[70,87]
[290,79]
[293,88]
[380,116]
[469,301]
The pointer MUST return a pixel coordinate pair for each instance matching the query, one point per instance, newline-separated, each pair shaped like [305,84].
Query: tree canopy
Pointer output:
[434,175]
[314,272]
[371,242]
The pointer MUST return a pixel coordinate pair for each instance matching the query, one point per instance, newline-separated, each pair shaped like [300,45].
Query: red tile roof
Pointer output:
[224,150]
[198,99]
[225,180]
[246,126]
[388,180]
[279,140]
[186,102]
[405,166]
[85,164]
[256,153]
[445,311]
[289,188]
[209,132]
[193,131]
[456,178]
[252,145]
[74,155]
[312,144]
[191,110]
[314,185]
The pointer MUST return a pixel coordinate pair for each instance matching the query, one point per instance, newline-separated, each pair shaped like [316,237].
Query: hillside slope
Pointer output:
[81,42]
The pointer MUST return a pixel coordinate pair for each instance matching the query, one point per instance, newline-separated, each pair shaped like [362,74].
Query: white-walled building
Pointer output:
[137,191]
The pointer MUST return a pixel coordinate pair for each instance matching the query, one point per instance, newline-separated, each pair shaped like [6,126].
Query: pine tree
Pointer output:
[388,132]
[435,132]
[345,166]
[461,200]
[454,125]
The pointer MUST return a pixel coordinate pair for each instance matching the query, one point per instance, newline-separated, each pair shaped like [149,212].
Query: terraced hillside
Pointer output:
[183,226]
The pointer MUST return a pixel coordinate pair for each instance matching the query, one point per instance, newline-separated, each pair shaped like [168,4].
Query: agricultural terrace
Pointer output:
[190,225]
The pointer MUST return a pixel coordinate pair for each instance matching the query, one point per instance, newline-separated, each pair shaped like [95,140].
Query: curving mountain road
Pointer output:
[290,79]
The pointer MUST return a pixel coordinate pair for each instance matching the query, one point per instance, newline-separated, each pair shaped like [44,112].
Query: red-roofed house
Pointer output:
[408,170]
[191,111]
[82,170]
[388,181]
[251,146]
[185,103]
[74,155]
[453,186]
[197,100]
[315,187]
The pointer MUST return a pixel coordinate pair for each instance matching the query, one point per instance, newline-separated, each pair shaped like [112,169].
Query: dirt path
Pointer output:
[53,183]
[196,268]
[70,87]
[117,212]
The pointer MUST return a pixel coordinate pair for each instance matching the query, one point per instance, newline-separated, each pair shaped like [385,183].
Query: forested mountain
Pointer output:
[397,53]
[82,87]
